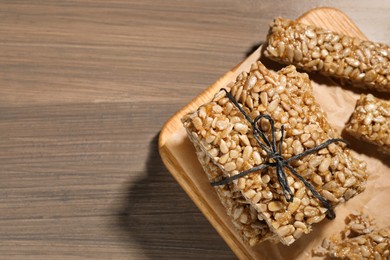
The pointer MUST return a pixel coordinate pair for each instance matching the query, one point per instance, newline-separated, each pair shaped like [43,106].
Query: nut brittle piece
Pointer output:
[375,245]
[361,239]
[370,121]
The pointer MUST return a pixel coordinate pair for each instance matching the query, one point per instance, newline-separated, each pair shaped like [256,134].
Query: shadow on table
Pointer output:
[164,221]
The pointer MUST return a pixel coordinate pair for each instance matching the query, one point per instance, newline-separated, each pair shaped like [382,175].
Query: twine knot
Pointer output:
[275,154]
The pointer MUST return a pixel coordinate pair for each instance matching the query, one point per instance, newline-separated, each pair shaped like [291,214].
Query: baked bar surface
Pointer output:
[361,63]
[222,132]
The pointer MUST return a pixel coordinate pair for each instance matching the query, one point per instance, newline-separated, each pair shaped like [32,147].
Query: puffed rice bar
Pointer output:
[370,121]
[222,132]
[361,63]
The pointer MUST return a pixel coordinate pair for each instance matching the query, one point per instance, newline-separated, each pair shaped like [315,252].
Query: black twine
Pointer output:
[276,155]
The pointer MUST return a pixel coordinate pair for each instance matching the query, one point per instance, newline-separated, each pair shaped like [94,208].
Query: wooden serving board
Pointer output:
[179,156]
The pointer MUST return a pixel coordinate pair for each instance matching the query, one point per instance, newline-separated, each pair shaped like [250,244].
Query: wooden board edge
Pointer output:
[179,174]
[349,28]
[168,128]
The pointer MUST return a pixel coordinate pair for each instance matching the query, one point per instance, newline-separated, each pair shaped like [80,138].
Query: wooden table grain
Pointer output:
[85,87]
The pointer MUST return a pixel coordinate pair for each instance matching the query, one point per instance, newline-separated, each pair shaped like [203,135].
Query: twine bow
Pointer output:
[275,158]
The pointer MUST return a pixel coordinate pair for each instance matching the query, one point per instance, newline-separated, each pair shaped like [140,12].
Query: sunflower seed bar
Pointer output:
[361,240]
[358,223]
[375,245]
[222,132]
[244,217]
[361,63]
[371,121]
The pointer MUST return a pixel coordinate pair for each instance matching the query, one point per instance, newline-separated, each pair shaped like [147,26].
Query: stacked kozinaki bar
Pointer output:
[244,217]
[226,146]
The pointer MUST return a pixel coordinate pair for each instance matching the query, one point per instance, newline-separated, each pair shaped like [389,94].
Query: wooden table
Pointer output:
[85,87]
